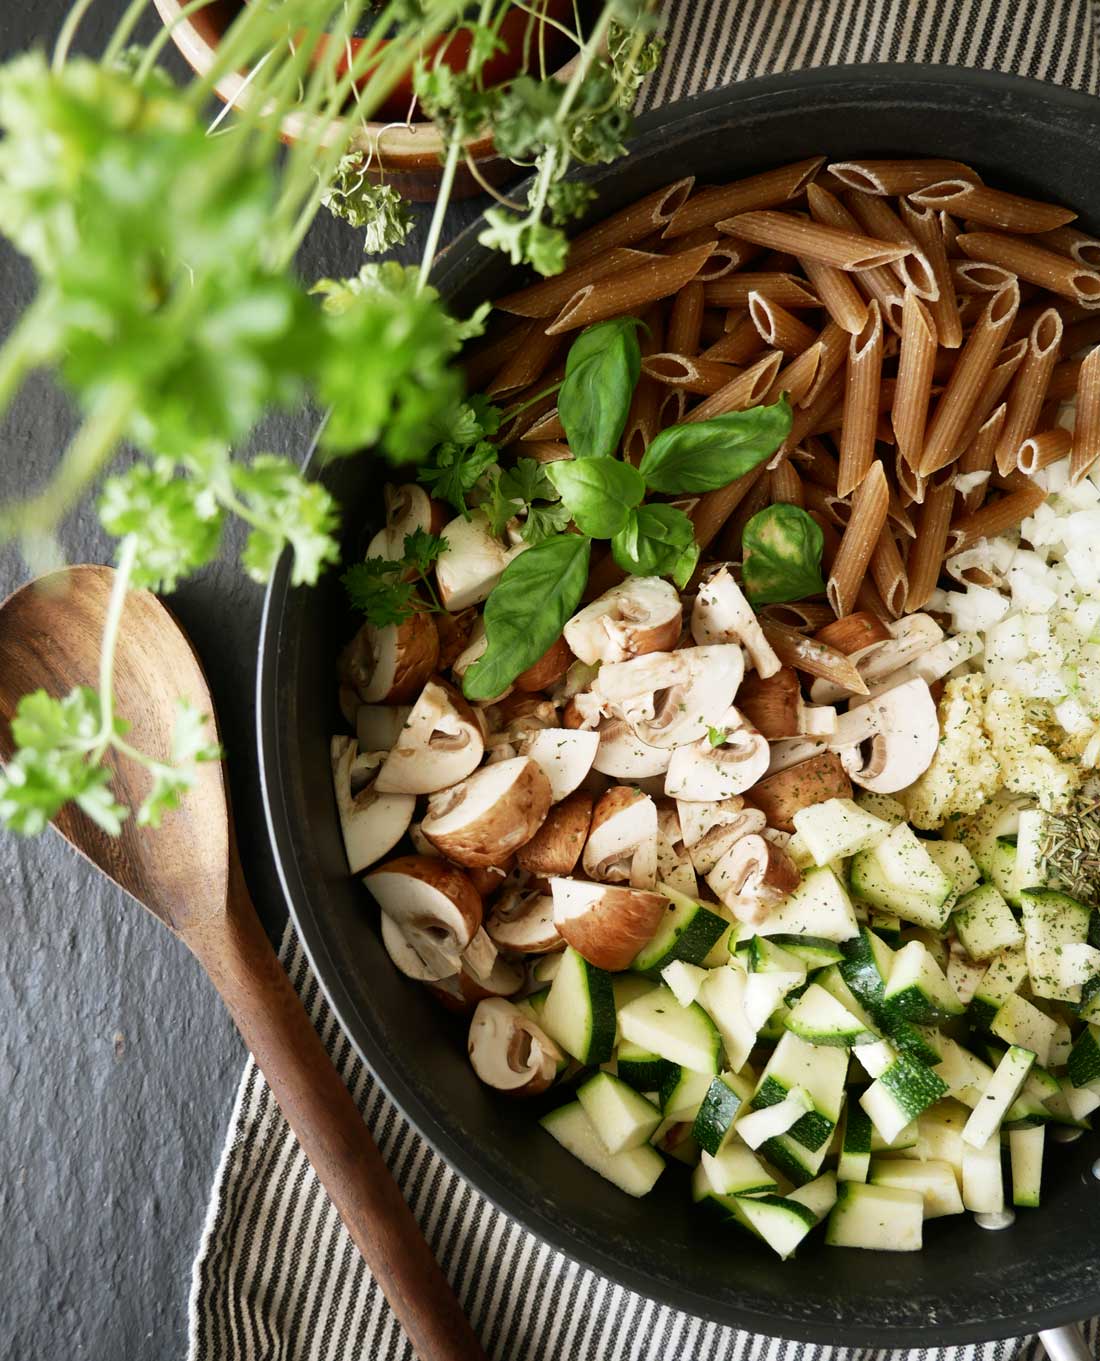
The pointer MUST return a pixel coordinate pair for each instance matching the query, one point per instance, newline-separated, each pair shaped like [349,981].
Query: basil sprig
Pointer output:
[601,372]
[706,455]
[782,548]
[657,541]
[598,492]
[527,610]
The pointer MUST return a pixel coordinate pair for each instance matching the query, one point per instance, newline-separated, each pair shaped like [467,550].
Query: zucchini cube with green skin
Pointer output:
[644,1070]
[819,907]
[1050,921]
[579,1014]
[1030,869]
[837,828]
[1019,1022]
[985,923]
[966,1075]
[683,1035]
[756,1127]
[900,1095]
[917,989]
[1025,1148]
[882,806]
[622,1117]
[1083,1067]
[855,1146]
[1004,976]
[820,1018]
[1002,869]
[822,1072]
[682,1093]
[866,966]
[936,1182]
[887,926]
[684,980]
[634,1171]
[882,1218]
[982,1179]
[782,1223]
[714,1120]
[723,997]
[813,952]
[707,1198]
[1000,1092]
[736,1170]
[899,876]
[768,956]
[795,1160]
[958,865]
[688,931]
[939,1133]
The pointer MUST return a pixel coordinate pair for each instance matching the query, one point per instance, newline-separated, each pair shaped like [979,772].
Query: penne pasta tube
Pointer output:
[784,289]
[546,426]
[880,283]
[795,380]
[778,328]
[1075,243]
[685,320]
[767,190]
[852,633]
[976,276]
[483,363]
[803,616]
[996,385]
[910,484]
[834,341]
[1063,381]
[714,508]
[632,223]
[825,503]
[641,422]
[725,256]
[1042,449]
[878,219]
[972,369]
[992,207]
[817,464]
[913,393]
[926,554]
[899,517]
[623,293]
[1032,262]
[979,456]
[739,344]
[889,574]
[994,518]
[1029,388]
[546,451]
[1086,430]
[698,375]
[547,297]
[897,177]
[869,506]
[758,496]
[839,295]
[861,397]
[747,389]
[927,228]
[810,655]
[808,417]
[785,485]
[528,363]
[672,408]
[811,240]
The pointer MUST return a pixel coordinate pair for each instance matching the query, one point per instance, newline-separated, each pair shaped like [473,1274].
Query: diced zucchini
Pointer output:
[964,975]
[1030,1107]
[935,1181]
[723,947]
[917,989]
[818,1196]
[780,1222]
[622,1117]
[1000,1092]
[921,1042]
[939,1133]
[1080,1101]
[682,1093]
[982,1182]
[1051,920]
[900,876]
[1025,1147]
[819,907]
[820,1018]
[769,956]
[1003,977]
[838,828]
[966,1075]
[736,1170]
[835,984]
[673,1138]
[683,980]
[794,1159]
[689,932]
[985,924]
[866,966]
[814,953]
[580,1011]
[883,1218]
[723,997]
[769,1122]
[957,864]
[1030,870]
[683,1035]
[886,925]
[1002,869]
[882,806]
[903,1091]
[875,1058]
[906,1138]
[544,969]
[1083,1067]
[855,1148]
[822,1072]
[999,817]
[642,1069]
[634,1171]
[714,1120]
[1019,1022]
[765,994]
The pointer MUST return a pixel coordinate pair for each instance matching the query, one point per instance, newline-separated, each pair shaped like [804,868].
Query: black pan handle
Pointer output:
[1066,1344]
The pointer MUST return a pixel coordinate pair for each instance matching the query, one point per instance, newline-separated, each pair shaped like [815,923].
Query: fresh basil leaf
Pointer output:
[782,547]
[527,610]
[601,373]
[599,493]
[710,454]
[657,541]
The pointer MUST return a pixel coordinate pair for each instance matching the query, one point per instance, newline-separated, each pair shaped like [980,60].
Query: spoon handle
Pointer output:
[243,967]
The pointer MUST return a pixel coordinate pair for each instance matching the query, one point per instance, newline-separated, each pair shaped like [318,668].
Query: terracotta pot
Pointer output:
[410,155]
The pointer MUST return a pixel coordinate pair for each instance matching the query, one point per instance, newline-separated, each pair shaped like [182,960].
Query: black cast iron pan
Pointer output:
[968,1284]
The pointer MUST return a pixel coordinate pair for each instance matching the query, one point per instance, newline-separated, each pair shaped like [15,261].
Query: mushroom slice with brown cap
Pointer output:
[792,751]
[509,1052]
[378,726]
[557,845]
[721,614]
[565,755]
[708,771]
[523,923]
[441,744]
[548,670]
[670,698]
[710,829]
[780,795]
[486,817]
[890,739]
[471,564]
[909,638]
[435,909]
[674,866]
[606,923]
[622,841]
[408,508]
[390,665]
[752,877]
[642,614]
[372,824]
[624,756]
[481,953]
[776,709]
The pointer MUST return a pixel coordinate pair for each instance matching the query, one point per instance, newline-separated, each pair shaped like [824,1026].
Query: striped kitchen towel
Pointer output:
[276,1277]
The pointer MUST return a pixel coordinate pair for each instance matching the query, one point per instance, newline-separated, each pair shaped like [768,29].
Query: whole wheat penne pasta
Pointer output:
[1063,381]
[1086,430]
[755,499]
[817,463]
[808,418]
[785,485]
[971,306]
[796,379]
[785,289]
[1029,261]
[833,419]
[815,658]
[861,394]
[484,361]
[546,426]
[878,219]
[974,365]
[993,207]
[672,408]
[994,388]
[913,393]
[778,328]
[927,228]
[822,500]
[623,293]
[747,389]
[685,320]
[926,555]
[632,223]
[811,240]
[1028,390]
[979,455]
[547,297]
[1081,334]
[869,506]
[900,176]
[830,547]
[1013,480]
[994,518]
[528,363]
[898,516]
[911,484]
[758,191]
[738,345]
[853,632]
[641,422]
[888,573]
[878,283]
[802,616]
[1072,241]
[726,255]
[715,507]
[977,276]
[1042,449]
[834,341]
[839,295]
[699,375]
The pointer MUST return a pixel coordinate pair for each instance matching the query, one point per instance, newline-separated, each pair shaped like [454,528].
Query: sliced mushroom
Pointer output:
[471,564]
[440,744]
[473,649]
[390,665]
[548,670]
[378,726]
[781,795]
[481,953]
[622,841]
[710,829]
[670,698]
[585,711]
[674,865]
[939,661]
[752,877]
[708,773]
[641,615]
[420,843]
[721,614]
[408,508]
[557,845]
[775,706]
[435,909]
[509,1052]
[624,756]
[606,923]
[909,638]
[792,751]
[455,633]
[372,824]
[890,739]
[523,923]
[461,992]
[565,755]
[577,679]
[486,817]
[487,879]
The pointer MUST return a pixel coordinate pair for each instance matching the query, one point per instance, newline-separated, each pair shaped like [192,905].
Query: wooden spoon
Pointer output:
[189,877]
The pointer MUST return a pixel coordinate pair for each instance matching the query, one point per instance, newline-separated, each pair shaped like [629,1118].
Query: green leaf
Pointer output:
[599,493]
[716,736]
[544,520]
[361,202]
[285,509]
[190,745]
[782,546]
[422,550]
[706,455]
[657,541]
[176,521]
[601,373]
[525,240]
[377,588]
[527,610]
[528,481]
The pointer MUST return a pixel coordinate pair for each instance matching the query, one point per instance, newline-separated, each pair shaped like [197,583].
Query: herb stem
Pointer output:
[127,555]
[68,32]
[435,228]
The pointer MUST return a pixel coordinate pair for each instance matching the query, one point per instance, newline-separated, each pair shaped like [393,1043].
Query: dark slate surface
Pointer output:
[117,1064]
